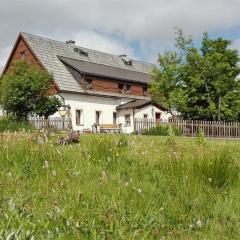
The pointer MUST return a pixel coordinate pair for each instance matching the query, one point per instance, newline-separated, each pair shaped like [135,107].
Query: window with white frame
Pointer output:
[114,118]
[98,117]
[127,120]
[79,117]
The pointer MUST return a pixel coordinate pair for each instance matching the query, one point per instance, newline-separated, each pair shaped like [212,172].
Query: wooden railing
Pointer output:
[53,122]
[191,128]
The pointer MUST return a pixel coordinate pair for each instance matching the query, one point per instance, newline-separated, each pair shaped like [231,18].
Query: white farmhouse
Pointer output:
[100,88]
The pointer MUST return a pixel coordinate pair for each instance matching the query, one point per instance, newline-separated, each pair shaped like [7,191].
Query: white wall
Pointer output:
[89,105]
[150,111]
[139,113]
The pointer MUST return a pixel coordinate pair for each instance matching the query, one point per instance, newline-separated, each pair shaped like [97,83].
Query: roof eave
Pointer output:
[101,75]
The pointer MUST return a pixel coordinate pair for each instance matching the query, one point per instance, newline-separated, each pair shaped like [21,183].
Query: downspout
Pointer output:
[83,78]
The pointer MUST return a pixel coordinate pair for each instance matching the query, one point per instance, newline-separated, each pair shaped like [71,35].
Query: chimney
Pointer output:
[70,43]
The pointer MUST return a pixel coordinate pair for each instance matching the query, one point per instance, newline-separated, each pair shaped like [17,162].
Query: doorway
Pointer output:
[158,117]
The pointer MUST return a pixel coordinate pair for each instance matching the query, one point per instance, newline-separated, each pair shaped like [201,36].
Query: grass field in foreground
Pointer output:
[115,187]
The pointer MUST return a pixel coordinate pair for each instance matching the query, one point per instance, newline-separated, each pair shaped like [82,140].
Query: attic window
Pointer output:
[23,54]
[126,59]
[80,52]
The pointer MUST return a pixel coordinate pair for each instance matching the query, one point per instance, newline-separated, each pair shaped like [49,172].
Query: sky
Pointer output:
[139,28]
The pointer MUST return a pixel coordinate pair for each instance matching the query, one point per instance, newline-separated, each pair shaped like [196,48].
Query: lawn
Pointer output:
[118,187]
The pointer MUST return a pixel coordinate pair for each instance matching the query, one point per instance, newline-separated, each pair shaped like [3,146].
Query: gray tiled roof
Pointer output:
[48,50]
[105,71]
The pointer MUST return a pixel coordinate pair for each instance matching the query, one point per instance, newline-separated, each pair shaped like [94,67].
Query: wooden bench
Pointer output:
[106,128]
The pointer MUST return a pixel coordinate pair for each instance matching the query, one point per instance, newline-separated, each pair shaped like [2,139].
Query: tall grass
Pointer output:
[118,187]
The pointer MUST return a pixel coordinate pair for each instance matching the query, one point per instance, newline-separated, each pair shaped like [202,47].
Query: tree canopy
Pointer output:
[24,90]
[199,83]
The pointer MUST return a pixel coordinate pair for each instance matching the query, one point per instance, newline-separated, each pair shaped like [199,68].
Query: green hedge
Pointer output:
[162,130]
[9,123]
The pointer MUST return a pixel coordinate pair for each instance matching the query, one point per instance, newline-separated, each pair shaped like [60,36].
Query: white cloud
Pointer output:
[102,42]
[236,44]
[4,53]
[150,23]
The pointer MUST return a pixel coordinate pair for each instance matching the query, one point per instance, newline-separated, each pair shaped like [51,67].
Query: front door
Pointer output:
[158,117]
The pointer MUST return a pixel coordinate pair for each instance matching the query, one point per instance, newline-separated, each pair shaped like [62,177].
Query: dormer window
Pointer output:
[80,52]
[126,59]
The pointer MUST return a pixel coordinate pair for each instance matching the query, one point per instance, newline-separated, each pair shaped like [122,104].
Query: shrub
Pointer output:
[162,130]
[73,137]
[10,124]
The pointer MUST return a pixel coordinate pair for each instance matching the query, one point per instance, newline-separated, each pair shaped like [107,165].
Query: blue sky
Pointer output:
[139,28]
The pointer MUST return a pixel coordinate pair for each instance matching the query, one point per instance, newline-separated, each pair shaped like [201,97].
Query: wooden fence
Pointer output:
[191,128]
[53,122]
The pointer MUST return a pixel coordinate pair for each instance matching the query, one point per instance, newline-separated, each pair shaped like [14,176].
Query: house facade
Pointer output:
[100,88]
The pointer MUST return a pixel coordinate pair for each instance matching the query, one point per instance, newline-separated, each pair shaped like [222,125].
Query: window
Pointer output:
[126,59]
[23,54]
[145,91]
[127,120]
[158,116]
[79,120]
[145,116]
[128,88]
[88,83]
[114,118]
[80,52]
[120,87]
[98,116]
[124,88]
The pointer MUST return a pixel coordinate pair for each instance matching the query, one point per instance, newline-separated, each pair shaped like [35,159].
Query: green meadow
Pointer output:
[119,187]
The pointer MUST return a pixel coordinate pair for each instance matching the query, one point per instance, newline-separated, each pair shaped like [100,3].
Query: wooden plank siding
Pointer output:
[21,47]
[111,85]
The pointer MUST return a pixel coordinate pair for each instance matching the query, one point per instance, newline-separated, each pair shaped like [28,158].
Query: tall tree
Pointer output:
[24,89]
[199,83]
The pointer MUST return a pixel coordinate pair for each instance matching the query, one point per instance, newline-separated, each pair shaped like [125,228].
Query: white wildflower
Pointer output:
[103,174]
[46,165]
[11,205]
[199,223]
[139,190]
